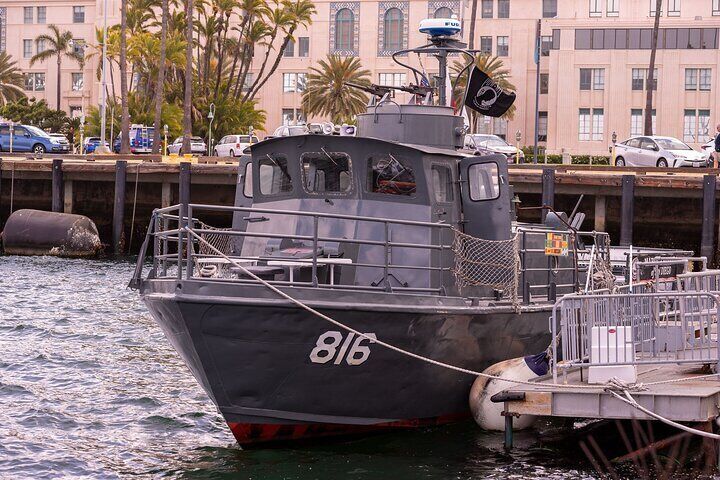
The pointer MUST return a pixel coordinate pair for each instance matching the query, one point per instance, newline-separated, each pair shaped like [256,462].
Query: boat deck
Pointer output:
[688,401]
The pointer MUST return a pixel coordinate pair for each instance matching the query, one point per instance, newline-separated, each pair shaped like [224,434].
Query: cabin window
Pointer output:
[247,187]
[442,184]
[326,172]
[484,181]
[274,176]
[390,175]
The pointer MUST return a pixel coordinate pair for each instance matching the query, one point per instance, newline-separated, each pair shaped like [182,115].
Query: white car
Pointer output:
[233,145]
[197,146]
[657,151]
[489,144]
[709,148]
[291,131]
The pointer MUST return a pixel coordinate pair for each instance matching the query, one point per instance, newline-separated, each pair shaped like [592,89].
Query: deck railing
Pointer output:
[635,328]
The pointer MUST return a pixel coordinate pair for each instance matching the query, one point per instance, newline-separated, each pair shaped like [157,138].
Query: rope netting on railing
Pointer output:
[487,263]
[602,275]
[219,240]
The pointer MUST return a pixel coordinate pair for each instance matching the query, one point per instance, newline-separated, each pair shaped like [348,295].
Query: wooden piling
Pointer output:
[548,190]
[68,196]
[184,183]
[707,239]
[57,185]
[600,213]
[119,207]
[165,195]
[627,210]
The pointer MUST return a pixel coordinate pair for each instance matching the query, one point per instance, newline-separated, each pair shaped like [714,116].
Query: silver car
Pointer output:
[197,146]
[657,151]
[488,144]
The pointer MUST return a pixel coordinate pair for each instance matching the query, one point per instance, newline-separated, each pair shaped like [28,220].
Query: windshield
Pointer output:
[671,144]
[36,131]
[297,130]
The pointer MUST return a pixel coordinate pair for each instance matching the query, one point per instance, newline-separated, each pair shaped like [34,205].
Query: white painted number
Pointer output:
[327,345]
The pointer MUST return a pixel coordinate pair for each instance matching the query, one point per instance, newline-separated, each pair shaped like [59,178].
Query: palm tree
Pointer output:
[327,93]
[473,19]
[125,119]
[11,80]
[187,104]
[57,45]
[493,68]
[650,83]
[160,88]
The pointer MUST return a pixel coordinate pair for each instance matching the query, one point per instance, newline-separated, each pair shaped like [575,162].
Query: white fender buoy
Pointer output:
[487,414]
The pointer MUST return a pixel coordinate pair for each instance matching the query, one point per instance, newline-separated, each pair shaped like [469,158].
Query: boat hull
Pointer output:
[277,372]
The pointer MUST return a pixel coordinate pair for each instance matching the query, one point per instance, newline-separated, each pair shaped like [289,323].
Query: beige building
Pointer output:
[593,63]
[20,24]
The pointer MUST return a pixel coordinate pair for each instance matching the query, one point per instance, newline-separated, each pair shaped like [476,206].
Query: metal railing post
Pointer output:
[386,272]
[315,251]
[190,241]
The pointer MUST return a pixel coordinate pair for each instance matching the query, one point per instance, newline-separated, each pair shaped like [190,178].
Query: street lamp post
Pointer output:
[82,132]
[165,133]
[518,137]
[211,117]
[612,151]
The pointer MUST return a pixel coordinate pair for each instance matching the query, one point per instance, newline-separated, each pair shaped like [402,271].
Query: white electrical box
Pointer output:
[610,345]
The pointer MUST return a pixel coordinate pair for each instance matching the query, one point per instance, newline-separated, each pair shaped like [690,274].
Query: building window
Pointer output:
[704,126]
[641,38]
[443,12]
[78,14]
[27,48]
[503,8]
[639,76]
[79,47]
[393,29]
[546,43]
[549,8]
[303,46]
[247,83]
[613,8]
[289,49]
[487,9]
[598,78]
[28,14]
[544,83]
[716,7]
[598,124]
[41,14]
[595,8]
[592,79]
[344,30]
[40,45]
[500,127]
[292,116]
[392,79]
[77,81]
[35,82]
[502,46]
[637,121]
[673,8]
[689,126]
[584,124]
[542,126]
[293,82]
[75,111]
[486,45]
[698,78]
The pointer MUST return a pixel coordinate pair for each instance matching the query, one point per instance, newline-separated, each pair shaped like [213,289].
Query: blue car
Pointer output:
[27,138]
[92,143]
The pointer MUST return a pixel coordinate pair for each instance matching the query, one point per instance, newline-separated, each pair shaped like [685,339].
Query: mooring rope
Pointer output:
[609,386]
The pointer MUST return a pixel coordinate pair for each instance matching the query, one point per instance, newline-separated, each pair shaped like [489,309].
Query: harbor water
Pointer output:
[89,388]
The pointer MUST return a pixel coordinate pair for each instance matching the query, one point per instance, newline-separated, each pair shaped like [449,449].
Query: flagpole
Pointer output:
[537,91]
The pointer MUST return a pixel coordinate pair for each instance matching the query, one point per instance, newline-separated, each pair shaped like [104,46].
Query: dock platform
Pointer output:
[686,401]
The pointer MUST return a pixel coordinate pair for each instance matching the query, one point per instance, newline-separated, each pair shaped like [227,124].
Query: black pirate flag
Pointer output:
[485,97]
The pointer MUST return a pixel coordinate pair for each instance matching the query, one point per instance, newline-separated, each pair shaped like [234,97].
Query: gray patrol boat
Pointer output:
[396,232]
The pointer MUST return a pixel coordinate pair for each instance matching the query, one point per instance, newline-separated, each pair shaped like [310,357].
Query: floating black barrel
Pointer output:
[35,232]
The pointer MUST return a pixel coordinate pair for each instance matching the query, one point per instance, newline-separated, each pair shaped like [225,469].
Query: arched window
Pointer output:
[393,29]
[443,12]
[344,20]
